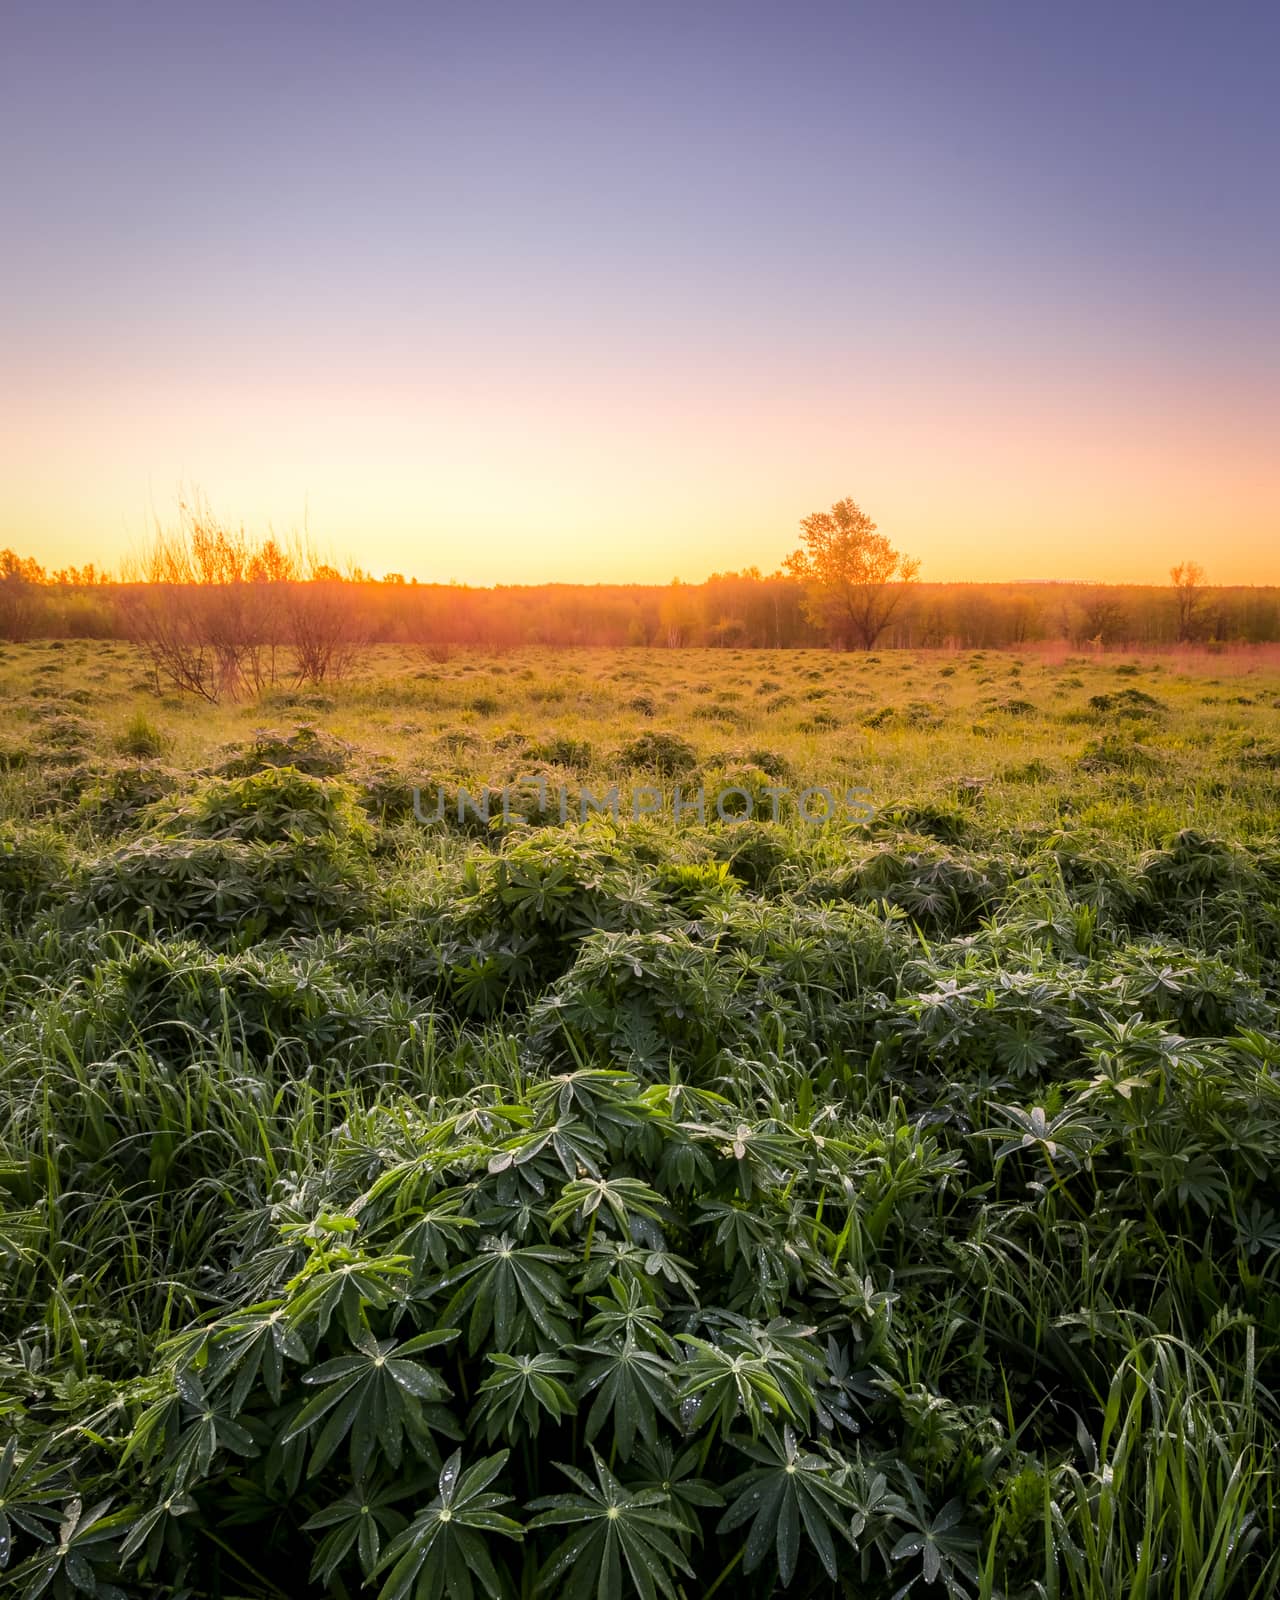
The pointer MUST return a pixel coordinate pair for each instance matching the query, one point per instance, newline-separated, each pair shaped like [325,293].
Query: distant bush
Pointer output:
[1033,771]
[1125,703]
[727,714]
[947,823]
[645,997]
[142,738]
[65,735]
[742,790]
[552,891]
[1262,753]
[386,790]
[666,755]
[310,751]
[574,754]
[1114,754]
[819,722]
[772,762]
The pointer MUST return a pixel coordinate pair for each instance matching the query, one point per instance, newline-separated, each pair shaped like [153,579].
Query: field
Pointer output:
[397,1202]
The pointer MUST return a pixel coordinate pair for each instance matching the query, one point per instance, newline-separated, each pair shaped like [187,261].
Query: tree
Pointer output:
[325,627]
[1103,619]
[680,614]
[854,579]
[19,578]
[1188,585]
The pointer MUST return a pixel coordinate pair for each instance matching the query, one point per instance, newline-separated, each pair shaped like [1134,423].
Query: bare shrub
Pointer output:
[325,629]
[424,623]
[222,615]
[163,613]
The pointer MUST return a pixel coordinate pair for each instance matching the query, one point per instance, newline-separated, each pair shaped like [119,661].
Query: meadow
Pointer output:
[665,1207]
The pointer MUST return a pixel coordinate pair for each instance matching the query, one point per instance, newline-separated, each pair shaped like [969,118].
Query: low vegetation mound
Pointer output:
[434,1208]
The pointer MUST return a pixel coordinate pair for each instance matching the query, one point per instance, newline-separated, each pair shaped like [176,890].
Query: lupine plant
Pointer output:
[440,1212]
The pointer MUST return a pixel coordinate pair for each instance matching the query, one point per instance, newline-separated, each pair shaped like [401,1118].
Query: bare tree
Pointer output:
[222,615]
[239,589]
[424,627]
[162,611]
[1188,584]
[853,577]
[324,622]
[1103,619]
[680,614]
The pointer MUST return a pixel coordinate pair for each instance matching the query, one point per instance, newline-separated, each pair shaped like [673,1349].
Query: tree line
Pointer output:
[222,612]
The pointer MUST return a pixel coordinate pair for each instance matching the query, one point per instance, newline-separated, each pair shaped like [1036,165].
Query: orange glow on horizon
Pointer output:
[558,301]
[646,473]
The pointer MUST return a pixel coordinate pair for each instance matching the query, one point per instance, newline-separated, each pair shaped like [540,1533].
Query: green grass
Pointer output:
[654,1209]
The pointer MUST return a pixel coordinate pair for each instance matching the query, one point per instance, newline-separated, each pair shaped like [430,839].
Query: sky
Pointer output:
[507,293]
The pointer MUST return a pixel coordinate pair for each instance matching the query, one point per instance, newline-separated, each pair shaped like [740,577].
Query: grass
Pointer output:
[645,1209]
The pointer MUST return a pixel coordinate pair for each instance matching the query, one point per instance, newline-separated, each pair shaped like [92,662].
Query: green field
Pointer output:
[659,1208]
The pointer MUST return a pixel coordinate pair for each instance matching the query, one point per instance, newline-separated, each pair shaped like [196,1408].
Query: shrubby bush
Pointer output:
[756,854]
[239,860]
[36,871]
[228,891]
[942,891]
[293,1008]
[306,749]
[270,806]
[741,981]
[120,797]
[946,822]
[666,755]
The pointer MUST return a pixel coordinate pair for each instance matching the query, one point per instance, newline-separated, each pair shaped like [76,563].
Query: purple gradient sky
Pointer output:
[525,292]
